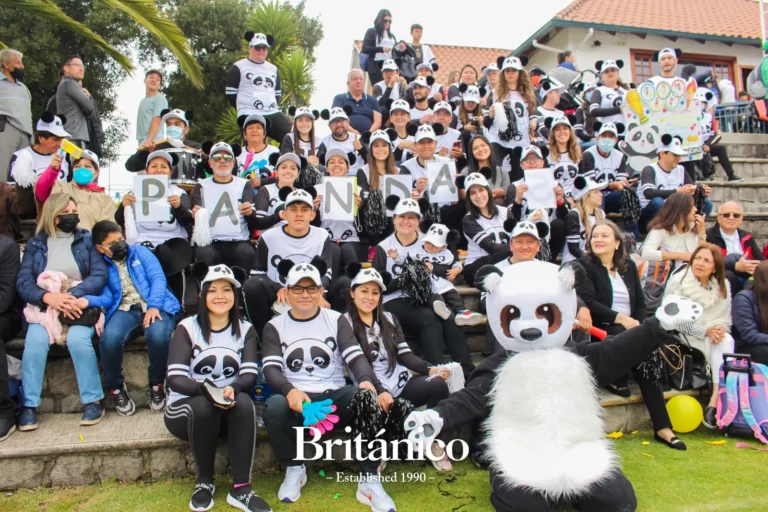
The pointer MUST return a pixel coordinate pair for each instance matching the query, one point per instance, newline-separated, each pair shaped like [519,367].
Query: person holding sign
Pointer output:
[370,181]
[268,204]
[137,302]
[224,214]
[253,163]
[532,159]
[95,204]
[586,212]
[201,404]
[296,240]
[167,239]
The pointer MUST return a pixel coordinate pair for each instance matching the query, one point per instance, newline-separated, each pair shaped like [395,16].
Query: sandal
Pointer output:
[675,443]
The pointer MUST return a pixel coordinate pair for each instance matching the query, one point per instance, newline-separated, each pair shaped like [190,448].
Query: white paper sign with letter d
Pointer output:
[399,185]
[151,198]
[339,198]
[441,177]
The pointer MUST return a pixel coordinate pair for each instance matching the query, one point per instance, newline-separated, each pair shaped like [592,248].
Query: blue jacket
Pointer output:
[148,278]
[88,259]
[746,320]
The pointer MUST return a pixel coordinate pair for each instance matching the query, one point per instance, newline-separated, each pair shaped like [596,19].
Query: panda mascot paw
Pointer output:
[422,428]
[676,311]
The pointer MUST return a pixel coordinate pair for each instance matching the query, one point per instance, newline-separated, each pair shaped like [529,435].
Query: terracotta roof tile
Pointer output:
[453,58]
[729,18]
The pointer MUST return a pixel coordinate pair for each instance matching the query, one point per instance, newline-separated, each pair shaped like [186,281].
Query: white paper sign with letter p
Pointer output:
[441,177]
[541,188]
[339,198]
[151,198]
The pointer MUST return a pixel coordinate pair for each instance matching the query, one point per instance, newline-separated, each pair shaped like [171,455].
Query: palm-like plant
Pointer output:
[278,21]
[144,12]
[296,78]
[227,128]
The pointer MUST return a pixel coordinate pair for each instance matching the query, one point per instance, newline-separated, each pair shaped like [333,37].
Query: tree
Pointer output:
[295,78]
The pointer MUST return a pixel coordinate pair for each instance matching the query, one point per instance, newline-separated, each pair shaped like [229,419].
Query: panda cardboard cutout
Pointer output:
[545,432]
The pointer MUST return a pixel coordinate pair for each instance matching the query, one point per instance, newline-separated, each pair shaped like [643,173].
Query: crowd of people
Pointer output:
[276,285]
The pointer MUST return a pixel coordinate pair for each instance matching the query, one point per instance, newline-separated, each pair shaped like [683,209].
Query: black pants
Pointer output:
[279,125]
[281,422]
[10,323]
[233,254]
[516,172]
[174,256]
[556,237]
[471,269]
[614,494]
[434,333]
[419,391]
[198,421]
[735,281]
[453,217]
[720,151]
[452,299]
[759,353]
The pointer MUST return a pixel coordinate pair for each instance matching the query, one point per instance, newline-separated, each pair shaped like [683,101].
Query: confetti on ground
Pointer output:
[634,432]
[321,473]
[337,496]
[648,455]
[615,435]
[646,443]
[82,438]
[717,443]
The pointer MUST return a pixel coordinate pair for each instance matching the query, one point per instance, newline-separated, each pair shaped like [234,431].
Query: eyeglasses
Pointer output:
[531,159]
[729,215]
[299,290]
[219,158]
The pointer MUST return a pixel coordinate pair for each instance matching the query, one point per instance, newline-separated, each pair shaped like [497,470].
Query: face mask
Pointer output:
[605,145]
[174,132]
[82,176]
[68,222]
[119,250]
[17,74]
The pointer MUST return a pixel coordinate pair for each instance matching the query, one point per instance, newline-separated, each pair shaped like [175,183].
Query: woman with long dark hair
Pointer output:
[377,44]
[750,317]
[302,140]
[381,162]
[483,224]
[212,363]
[481,155]
[467,76]
[606,100]
[607,282]
[675,232]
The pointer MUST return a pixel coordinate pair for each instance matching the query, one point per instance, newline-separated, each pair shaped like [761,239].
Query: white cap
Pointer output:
[400,105]
[176,114]
[531,148]
[220,147]
[303,271]
[90,155]
[588,86]
[337,113]
[490,67]
[368,275]
[471,94]
[378,135]
[558,121]
[55,127]
[475,178]
[300,196]
[161,154]
[259,39]
[553,84]
[421,81]
[674,147]
[443,105]
[425,131]
[667,51]
[608,127]
[608,64]
[303,111]
[512,62]
[220,272]
[525,227]
[437,235]
[338,152]
[389,65]
[254,118]
[407,205]
[293,157]
[583,186]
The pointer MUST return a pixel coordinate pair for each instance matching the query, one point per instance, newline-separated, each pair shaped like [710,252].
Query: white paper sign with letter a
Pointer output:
[339,198]
[151,198]
[441,177]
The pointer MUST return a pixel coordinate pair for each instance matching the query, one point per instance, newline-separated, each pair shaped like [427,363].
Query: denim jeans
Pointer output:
[80,346]
[612,201]
[123,326]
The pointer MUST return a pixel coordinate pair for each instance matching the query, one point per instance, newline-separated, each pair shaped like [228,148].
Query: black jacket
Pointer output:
[593,286]
[748,244]
[10,303]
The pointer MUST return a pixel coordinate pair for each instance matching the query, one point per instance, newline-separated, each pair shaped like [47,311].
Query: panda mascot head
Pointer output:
[531,306]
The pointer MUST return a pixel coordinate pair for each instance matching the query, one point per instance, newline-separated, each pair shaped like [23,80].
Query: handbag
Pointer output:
[686,367]
[88,318]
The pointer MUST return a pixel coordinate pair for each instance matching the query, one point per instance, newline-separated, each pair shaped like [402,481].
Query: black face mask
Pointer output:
[17,74]
[119,250]
[68,222]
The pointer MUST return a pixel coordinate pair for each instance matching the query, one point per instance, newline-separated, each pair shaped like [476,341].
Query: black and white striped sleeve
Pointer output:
[573,233]
[179,357]
[475,232]
[351,353]
[249,367]
[233,83]
[274,370]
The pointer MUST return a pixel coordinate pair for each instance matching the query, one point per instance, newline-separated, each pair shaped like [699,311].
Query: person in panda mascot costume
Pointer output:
[545,431]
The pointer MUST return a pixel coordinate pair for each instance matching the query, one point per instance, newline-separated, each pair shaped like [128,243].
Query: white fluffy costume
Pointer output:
[545,429]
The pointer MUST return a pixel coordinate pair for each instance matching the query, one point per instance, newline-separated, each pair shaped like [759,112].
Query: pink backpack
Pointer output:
[742,408]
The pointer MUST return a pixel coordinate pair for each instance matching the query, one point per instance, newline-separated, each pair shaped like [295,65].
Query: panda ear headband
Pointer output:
[368,138]
[206,274]
[538,230]
[325,114]
[359,275]
[677,52]
[293,273]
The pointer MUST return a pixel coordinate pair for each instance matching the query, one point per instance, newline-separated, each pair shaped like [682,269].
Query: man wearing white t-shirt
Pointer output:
[742,254]
[667,59]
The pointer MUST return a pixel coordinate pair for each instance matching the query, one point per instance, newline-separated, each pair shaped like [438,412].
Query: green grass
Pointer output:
[704,478]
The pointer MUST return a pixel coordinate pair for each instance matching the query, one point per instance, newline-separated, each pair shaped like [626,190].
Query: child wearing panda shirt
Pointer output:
[297,241]
[305,351]
[606,100]
[588,197]
[216,349]
[254,162]
[606,164]
[340,138]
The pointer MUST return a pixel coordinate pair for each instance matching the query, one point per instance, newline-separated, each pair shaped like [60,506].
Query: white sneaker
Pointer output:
[370,492]
[290,489]
[441,310]
[443,463]
[468,317]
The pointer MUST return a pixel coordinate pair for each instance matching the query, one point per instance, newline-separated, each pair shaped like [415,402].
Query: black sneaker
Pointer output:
[7,427]
[202,498]
[157,398]
[734,178]
[123,402]
[27,418]
[245,499]
[710,418]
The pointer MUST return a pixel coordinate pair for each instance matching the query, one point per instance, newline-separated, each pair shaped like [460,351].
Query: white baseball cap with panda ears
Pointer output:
[472,93]
[490,67]
[52,124]
[530,148]
[177,114]
[220,272]
[672,145]
[337,113]
[423,81]
[583,186]
[437,235]
[222,147]
[512,62]
[407,205]
[365,275]
[475,178]
[400,105]
[303,271]
[389,65]
[304,111]
[259,39]
[425,131]
[443,105]
[300,196]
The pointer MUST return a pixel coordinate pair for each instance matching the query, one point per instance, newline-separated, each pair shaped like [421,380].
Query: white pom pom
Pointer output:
[456,381]
[491,281]
[501,117]
[22,171]
[567,277]
[201,235]
[131,232]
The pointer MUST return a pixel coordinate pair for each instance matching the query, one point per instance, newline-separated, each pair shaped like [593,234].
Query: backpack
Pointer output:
[743,408]
[755,86]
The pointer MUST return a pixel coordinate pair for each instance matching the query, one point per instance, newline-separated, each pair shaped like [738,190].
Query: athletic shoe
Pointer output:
[710,418]
[7,427]
[123,402]
[92,414]
[467,317]
[441,310]
[290,489]
[202,498]
[443,463]
[244,498]
[370,492]
[734,178]
[27,419]
[156,398]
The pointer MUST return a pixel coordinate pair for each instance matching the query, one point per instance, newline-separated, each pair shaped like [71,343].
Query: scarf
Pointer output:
[717,310]
[91,187]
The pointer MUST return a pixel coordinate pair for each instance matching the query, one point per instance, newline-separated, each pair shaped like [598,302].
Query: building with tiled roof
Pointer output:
[719,35]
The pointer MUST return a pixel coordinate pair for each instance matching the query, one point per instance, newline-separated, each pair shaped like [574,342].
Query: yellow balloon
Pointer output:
[636,103]
[685,413]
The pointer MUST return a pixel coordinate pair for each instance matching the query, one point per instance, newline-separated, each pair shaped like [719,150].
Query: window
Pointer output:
[642,71]
[644,68]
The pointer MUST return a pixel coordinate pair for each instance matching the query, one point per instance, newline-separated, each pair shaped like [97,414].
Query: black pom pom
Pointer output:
[620,128]
[283,193]
[320,264]
[598,65]
[352,269]
[392,134]
[460,181]
[386,277]
[430,80]
[523,60]
[486,171]
[352,158]
[199,270]
[365,137]
[164,111]
[423,204]
[391,202]
[47,117]
[580,182]
[596,127]
[425,225]
[666,139]
[543,229]
[241,121]
[249,35]
[174,159]
[241,276]
[325,114]
[619,63]
[292,111]
[482,91]
[431,102]
[63,119]
[411,129]
[548,122]
[206,147]
[284,267]
[347,110]
[190,116]
[311,191]
[236,149]
[273,158]
[453,237]
[435,67]
[463,88]
[500,62]
[510,224]
[438,128]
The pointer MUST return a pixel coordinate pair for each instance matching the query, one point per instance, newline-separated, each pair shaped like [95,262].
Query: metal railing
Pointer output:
[739,117]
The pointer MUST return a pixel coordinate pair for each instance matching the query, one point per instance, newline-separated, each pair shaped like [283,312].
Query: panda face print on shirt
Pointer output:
[565,174]
[309,357]
[219,364]
[343,236]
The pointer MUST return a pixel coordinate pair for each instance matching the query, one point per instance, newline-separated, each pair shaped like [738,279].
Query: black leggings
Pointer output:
[198,421]
[434,333]
[419,391]
[10,323]
[344,253]
[556,237]
[720,151]
[516,172]
[234,254]
[279,126]
[174,256]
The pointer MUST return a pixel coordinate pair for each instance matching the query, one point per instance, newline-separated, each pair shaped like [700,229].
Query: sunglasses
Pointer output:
[299,290]
[729,215]
[219,158]
[388,20]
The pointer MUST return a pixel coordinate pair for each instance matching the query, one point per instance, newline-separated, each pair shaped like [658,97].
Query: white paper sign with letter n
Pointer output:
[441,177]
[399,185]
[151,198]
[339,198]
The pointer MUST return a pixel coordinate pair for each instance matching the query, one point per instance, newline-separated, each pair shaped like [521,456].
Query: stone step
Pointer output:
[139,447]
[745,145]
[752,194]
[750,169]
